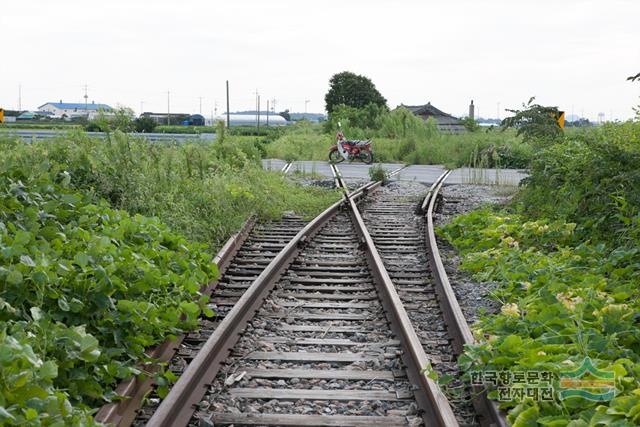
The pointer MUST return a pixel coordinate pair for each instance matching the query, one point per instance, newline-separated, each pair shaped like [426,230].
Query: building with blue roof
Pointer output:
[74,109]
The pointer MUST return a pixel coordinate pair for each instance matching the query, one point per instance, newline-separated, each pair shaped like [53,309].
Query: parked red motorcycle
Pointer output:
[345,149]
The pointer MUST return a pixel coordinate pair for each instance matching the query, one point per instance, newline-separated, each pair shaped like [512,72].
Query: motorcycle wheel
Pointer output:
[367,157]
[335,156]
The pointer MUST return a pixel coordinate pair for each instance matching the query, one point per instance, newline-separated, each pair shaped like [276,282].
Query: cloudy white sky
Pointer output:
[572,54]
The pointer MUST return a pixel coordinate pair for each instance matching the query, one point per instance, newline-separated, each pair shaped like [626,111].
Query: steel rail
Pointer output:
[133,390]
[337,178]
[437,410]
[454,318]
[436,407]
[178,406]
[396,171]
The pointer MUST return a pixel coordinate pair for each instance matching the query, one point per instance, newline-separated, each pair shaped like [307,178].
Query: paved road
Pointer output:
[273,164]
[421,173]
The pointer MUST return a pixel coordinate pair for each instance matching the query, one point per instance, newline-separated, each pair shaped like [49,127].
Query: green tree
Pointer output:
[534,122]
[285,115]
[470,124]
[122,119]
[352,90]
[363,118]
[145,124]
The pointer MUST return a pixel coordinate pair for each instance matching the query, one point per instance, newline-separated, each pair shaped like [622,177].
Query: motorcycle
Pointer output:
[350,150]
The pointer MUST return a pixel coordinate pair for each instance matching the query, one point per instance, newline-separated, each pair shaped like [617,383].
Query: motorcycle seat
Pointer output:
[358,142]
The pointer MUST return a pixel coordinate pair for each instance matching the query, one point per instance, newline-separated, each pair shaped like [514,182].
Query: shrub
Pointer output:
[378,173]
[84,290]
[592,179]
[203,190]
[145,124]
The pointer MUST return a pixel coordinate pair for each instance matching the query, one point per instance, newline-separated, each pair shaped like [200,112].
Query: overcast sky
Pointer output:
[572,54]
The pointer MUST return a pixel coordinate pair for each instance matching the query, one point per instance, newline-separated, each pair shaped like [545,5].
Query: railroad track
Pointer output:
[316,331]
[240,261]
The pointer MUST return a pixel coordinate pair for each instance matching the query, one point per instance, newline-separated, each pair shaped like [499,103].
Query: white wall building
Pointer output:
[248,120]
[70,110]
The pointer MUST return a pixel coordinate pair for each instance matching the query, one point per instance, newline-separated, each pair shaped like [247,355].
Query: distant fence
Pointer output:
[33,134]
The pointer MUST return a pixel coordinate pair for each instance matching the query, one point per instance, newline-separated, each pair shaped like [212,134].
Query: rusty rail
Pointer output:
[436,407]
[454,318]
[178,406]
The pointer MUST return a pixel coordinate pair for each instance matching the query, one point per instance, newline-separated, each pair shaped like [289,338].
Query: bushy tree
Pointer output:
[119,119]
[470,124]
[145,124]
[534,122]
[285,115]
[352,90]
[363,118]
[122,119]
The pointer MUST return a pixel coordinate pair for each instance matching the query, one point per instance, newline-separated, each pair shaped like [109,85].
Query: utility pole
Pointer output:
[256,105]
[20,97]
[267,113]
[215,107]
[228,118]
[168,109]
[306,101]
[200,98]
[573,117]
[274,105]
[258,123]
[86,99]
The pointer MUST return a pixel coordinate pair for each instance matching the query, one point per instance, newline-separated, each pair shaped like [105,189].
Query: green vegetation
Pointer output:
[205,191]
[184,129]
[378,173]
[399,136]
[87,282]
[352,90]
[535,122]
[84,290]
[40,126]
[565,255]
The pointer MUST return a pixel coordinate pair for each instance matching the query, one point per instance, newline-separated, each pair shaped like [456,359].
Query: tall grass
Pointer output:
[408,139]
[205,191]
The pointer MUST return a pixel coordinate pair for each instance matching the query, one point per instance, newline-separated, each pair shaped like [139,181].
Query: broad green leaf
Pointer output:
[527,418]
[5,415]
[63,304]
[14,277]
[81,259]
[36,313]
[26,260]
[48,370]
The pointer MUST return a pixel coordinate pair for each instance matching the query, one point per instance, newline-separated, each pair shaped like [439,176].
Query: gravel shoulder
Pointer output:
[474,297]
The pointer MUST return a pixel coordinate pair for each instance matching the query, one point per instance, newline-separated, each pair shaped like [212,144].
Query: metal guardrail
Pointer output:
[33,134]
